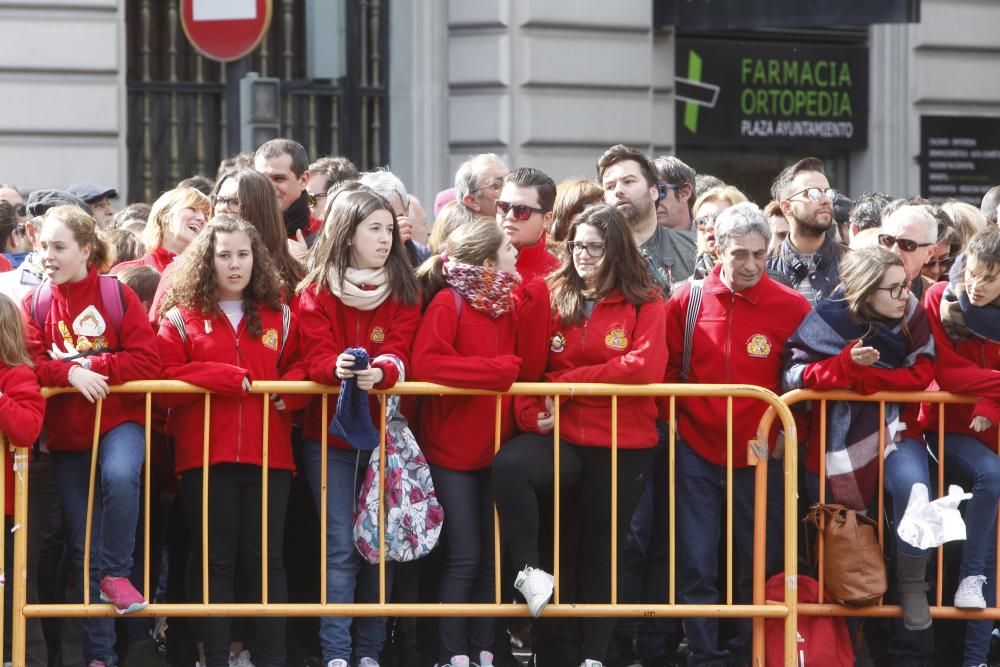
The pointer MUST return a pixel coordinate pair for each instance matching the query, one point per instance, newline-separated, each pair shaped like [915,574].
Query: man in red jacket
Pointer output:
[737,335]
[524,212]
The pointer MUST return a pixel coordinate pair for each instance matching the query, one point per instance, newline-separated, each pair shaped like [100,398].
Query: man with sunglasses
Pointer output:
[910,232]
[524,212]
[629,182]
[675,181]
[808,260]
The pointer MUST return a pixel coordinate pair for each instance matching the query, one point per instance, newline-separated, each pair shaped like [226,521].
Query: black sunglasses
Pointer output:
[906,245]
[521,211]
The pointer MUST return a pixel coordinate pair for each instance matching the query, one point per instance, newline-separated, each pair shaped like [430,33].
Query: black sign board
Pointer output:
[959,157]
[752,94]
[762,14]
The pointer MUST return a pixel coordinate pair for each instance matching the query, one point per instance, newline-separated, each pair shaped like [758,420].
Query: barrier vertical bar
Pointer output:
[324,414]
[820,546]
[555,498]
[264,500]
[614,499]
[758,456]
[671,474]
[90,501]
[791,547]
[204,498]
[881,473]
[941,492]
[729,500]
[8,578]
[20,580]
[146,519]
[496,515]
[381,500]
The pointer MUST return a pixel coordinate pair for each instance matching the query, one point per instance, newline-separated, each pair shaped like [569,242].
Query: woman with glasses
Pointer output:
[706,209]
[608,325]
[871,334]
[964,315]
[949,244]
[174,220]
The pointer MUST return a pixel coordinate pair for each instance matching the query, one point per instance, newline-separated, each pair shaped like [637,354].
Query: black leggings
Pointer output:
[234,509]
[523,469]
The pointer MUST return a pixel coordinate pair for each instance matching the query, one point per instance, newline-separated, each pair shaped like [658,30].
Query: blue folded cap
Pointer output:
[353,420]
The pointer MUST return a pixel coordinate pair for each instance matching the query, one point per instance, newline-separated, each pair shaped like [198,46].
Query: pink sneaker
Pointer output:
[120,592]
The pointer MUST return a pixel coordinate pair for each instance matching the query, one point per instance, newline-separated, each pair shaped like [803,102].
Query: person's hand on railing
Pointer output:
[368,378]
[547,419]
[862,355]
[343,368]
[980,424]
[246,385]
[92,385]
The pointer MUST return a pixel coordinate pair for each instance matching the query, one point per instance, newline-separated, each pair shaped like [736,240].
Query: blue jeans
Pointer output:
[970,460]
[348,578]
[701,506]
[121,453]
[467,499]
[906,466]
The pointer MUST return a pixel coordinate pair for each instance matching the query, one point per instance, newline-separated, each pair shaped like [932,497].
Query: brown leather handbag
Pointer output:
[853,564]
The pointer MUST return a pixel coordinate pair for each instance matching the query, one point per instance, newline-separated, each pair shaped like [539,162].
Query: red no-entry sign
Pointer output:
[225,30]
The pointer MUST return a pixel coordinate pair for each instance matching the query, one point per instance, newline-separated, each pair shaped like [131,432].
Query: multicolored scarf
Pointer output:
[490,291]
[962,320]
[853,426]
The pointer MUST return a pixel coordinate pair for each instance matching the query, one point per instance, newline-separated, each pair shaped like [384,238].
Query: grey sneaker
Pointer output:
[485,659]
[368,662]
[536,586]
[337,662]
[970,593]
[591,663]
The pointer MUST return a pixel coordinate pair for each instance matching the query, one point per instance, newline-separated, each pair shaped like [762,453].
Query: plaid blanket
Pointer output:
[852,426]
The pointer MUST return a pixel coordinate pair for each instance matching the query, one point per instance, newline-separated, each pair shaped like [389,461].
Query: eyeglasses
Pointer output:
[906,245]
[593,248]
[314,198]
[496,185]
[704,222]
[232,203]
[942,262]
[815,194]
[521,211]
[896,291]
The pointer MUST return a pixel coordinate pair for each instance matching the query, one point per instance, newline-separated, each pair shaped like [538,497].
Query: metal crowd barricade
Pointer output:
[941,399]
[757,455]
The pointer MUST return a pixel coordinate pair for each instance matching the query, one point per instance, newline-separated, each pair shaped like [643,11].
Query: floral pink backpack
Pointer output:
[413,516]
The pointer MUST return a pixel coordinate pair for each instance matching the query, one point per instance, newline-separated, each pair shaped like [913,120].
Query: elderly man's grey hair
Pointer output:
[919,212]
[387,185]
[467,176]
[739,220]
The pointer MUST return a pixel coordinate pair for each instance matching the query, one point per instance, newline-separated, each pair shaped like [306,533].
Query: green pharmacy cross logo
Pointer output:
[694,93]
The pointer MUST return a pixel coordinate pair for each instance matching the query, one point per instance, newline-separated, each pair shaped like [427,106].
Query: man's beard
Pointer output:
[814,227]
[632,213]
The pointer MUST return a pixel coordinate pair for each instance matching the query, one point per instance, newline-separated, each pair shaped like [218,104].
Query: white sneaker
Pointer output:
[368,662]
[241,660]
[485,659]
[970,593]
[337,662]
[459,661]
[591,663]
[536,586]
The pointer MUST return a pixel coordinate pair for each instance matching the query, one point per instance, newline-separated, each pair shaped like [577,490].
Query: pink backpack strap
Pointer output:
[113,300]
[41,303]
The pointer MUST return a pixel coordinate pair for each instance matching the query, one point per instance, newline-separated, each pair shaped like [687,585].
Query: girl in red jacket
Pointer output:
[965,319]
[467,339]
[21,411]
[871,334]
[607,325]
[225,326]
[89,332]
[359,292]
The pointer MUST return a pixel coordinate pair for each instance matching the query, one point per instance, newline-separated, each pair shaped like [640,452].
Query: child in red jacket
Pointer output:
[359,292]
[965,320]
[22,409]
[607,325]
[468,339]
[86,333]
[225,326]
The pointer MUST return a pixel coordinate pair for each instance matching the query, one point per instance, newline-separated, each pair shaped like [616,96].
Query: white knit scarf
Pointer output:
[353,291]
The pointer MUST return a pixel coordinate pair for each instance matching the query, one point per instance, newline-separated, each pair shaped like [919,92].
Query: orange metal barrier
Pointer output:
[941,399]
[757,455]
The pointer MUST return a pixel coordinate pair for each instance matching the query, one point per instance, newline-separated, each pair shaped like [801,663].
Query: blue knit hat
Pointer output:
[353,421]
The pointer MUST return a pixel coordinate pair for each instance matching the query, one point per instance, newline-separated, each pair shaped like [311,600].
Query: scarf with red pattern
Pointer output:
[490,291]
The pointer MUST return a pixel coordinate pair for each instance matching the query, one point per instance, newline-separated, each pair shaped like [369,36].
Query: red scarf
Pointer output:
[489,291]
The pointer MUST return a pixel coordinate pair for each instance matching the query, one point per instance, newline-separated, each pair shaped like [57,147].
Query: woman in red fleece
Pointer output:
[174,219]
[78,338]
[359,292]
[607,325]
[965,320]
[467,339]
[22,409]
[224,327]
